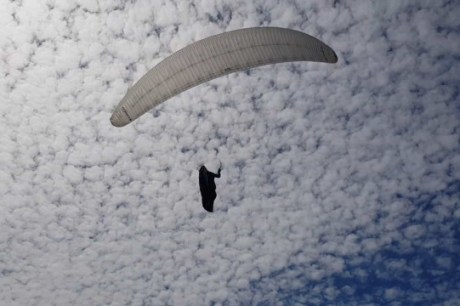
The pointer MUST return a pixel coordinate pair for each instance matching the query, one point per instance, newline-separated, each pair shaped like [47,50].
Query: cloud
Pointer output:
[340,182]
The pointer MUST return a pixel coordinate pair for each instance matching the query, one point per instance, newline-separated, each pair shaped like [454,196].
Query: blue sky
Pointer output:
[340,183]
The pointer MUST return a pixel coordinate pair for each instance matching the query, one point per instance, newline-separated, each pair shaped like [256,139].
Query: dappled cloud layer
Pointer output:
[340,182]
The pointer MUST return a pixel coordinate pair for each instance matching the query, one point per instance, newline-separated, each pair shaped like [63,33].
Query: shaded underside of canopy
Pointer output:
[216,56]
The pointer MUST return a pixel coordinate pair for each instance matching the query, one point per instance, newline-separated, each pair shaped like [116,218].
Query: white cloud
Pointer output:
[331,172]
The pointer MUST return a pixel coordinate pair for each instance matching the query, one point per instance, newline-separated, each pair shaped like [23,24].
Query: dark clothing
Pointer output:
[208,188]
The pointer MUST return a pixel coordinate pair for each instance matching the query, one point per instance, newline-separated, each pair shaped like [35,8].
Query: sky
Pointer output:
[340,182]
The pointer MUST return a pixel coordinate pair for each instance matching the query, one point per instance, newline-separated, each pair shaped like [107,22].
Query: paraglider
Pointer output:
[208,187]
[217,56]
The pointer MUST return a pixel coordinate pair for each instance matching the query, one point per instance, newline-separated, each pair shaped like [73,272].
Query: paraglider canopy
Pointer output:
[216,56]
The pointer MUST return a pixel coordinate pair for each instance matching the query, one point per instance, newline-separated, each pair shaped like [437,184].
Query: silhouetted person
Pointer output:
[208,188]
